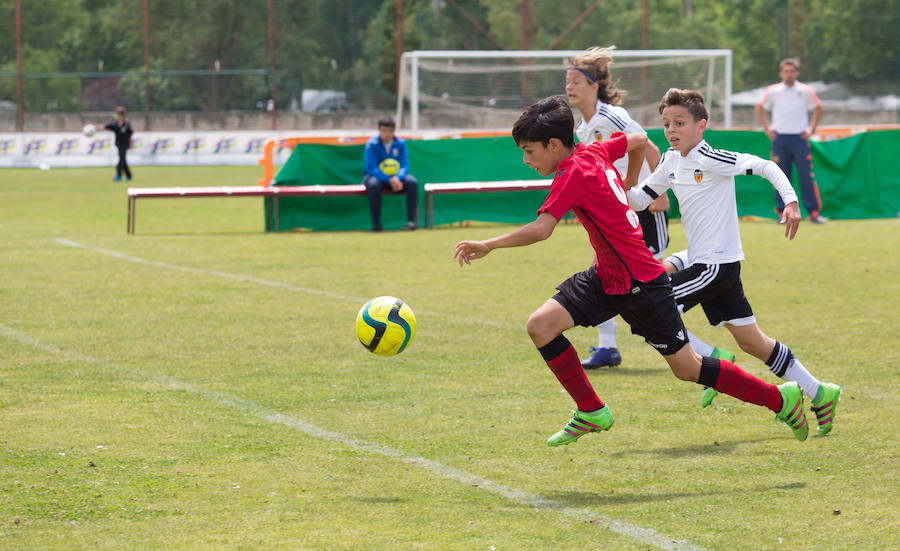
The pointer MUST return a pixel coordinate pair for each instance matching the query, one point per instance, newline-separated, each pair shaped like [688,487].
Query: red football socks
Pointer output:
[560,355]
[736,382]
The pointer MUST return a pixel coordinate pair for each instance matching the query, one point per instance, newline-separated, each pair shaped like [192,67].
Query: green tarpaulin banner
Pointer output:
[855,176]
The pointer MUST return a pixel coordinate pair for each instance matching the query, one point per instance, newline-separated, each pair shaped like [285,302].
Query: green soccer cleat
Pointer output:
[722,354]
[581,424]
[709,393]
[825,406]
[792,410]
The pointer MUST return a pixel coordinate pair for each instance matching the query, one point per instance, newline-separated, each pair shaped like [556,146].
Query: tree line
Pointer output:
[239,58]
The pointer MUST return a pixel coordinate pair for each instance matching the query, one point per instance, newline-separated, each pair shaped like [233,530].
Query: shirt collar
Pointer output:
[693,152]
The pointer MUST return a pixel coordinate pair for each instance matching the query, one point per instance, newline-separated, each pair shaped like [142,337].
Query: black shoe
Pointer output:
[377,228]
[411,226]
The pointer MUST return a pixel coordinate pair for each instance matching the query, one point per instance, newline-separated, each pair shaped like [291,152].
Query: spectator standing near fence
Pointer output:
[387,169]
[790,102]
[123,131]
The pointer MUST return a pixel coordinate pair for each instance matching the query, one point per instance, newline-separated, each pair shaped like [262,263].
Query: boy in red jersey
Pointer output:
[626,280]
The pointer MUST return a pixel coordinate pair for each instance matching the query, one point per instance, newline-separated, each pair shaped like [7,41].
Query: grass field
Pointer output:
[199,386]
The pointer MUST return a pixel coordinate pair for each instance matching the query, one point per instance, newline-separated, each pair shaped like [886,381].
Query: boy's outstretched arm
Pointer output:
[636,143]
[540,229]
[790,216]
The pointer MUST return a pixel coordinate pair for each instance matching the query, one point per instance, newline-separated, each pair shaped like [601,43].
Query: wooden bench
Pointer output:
[476,187]
[275,192]
[237,191]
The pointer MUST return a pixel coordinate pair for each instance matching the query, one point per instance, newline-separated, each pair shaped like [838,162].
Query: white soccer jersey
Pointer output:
[790,106]
[608,120]
[703,182]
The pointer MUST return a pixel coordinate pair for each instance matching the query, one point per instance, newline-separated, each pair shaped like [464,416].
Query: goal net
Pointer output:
[487,90]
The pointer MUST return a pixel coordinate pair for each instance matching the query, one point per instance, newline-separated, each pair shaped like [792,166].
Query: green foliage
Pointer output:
[350,45]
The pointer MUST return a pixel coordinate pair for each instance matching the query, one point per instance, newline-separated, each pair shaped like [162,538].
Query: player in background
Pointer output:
[591,90]
[790,102]
[703,181]
[626,279]
[123,131]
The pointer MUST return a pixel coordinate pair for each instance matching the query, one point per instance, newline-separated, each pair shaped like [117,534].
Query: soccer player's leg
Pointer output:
[699,284]
[781,361]
[577,303]
[655,316]
[606,352]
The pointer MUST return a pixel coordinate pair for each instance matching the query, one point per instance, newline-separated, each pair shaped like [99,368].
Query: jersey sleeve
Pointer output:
[767,100]
[616,146]
[564,192]
[404,159]
[743,164]
[812,100]
[370,160]
[725,163]
[641,195]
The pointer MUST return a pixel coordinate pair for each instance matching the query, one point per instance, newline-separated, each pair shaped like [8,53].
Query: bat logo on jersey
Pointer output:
[698,175]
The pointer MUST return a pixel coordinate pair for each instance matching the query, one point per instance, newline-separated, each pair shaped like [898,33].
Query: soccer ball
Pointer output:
[385,326]
[89,130]
[390,166]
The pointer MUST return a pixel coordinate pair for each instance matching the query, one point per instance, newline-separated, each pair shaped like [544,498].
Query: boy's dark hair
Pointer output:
[790,61]
[689,99]
[387,123]
[548,118]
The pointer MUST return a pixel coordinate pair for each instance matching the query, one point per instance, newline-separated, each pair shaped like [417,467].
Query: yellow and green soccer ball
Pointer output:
[390,166]
[385,326]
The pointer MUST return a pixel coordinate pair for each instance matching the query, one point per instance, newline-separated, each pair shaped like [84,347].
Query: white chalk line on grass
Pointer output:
[276,284]
[641,534]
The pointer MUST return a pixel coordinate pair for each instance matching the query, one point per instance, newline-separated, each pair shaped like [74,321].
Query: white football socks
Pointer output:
[606,334]
[796,372]
[699,346]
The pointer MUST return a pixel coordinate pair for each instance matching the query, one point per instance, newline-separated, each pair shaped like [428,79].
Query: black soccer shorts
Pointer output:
[717,289]
[651,311]
[655,228]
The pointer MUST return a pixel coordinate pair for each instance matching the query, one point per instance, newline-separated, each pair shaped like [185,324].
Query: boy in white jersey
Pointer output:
[590,90]
[703,181]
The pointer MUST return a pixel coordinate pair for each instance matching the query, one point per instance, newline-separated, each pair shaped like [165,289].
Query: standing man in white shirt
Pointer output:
[790,102]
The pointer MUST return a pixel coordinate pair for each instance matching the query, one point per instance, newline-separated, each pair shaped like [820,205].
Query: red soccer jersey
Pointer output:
[587,183]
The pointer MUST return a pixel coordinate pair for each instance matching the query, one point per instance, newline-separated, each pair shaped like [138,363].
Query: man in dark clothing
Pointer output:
[123,131]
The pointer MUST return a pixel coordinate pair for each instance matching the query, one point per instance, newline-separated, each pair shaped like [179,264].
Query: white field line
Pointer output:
[278,284]
[644,535]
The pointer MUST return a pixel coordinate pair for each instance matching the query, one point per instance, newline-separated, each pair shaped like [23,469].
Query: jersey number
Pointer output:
[613,178]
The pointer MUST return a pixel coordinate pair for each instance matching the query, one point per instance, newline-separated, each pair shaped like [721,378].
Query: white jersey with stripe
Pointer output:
[703,182]
[790,106]
[608,120]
